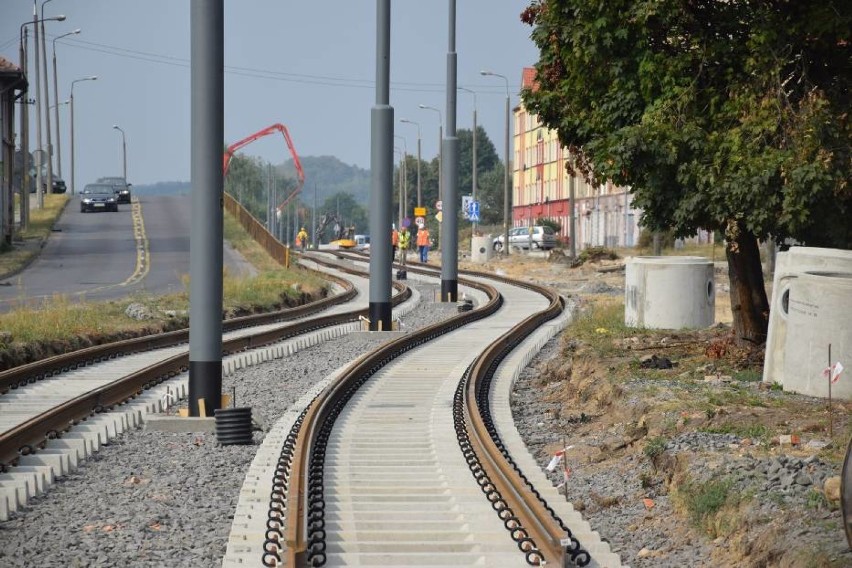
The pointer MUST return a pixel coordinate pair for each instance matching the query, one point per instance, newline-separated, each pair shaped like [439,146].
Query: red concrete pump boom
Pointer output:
[277,127]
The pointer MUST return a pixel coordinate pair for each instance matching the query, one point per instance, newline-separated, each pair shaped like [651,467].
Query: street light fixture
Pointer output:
[91,78]
[35,22]
[56,97]
[417,124]
[440,149]
[506,167]
[123,150]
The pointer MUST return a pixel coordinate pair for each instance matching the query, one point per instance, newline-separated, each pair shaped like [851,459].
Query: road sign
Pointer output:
[473,212]
[438,205]
[439,216]
[406,222]
[419,211]
[420,222]
[466,201]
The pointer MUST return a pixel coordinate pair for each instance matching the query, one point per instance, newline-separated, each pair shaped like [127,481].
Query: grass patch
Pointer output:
[41,222]
[62,318]
[748,376]
[713,506]
[601,325]
[754,431]
[59,318]
[655,447]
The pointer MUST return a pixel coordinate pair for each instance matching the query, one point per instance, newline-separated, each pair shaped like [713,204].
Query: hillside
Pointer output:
[330,176]
[163,188]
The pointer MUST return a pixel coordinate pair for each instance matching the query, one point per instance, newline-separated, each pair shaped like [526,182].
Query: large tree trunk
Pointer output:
[748,293]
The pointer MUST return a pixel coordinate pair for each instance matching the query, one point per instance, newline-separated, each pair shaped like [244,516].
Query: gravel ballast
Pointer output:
[154,499]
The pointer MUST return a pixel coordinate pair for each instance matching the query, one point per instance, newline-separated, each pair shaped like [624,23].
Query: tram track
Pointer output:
[306,535]
[43,400]
[367,515]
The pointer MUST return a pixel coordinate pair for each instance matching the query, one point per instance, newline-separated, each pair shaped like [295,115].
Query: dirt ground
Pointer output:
[681,455]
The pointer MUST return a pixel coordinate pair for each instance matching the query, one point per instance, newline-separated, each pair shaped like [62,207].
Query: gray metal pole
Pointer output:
[419,194]
[268,199]
[572,184]
[25,141]
[399,214]
[49,185]
[39,180]
[56,115]
[381,166]
[450,174]
[207,119]
[72,137]
[506,183]
[314,220]
[124,154]
[473,189]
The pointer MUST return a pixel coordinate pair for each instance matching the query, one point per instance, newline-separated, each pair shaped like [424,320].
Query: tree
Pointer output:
[720,115]
[486,157]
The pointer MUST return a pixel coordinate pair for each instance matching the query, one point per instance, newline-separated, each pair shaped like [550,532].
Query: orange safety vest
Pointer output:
[423,238]
[394,237]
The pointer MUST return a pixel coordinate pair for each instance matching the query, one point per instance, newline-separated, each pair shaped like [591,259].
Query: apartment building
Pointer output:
[541,188]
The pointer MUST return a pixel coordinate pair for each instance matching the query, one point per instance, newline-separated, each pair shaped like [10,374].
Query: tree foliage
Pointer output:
[720,115]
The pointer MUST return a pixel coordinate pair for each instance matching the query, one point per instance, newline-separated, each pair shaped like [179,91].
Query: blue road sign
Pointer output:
[473,212]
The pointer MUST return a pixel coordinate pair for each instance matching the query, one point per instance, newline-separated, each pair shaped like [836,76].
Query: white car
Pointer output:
[543,238]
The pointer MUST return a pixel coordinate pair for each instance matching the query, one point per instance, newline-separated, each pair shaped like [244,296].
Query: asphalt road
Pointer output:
[105,255]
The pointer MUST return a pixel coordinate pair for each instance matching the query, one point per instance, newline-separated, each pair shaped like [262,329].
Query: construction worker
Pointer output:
[394,240]
[423,243]
[302,239]
[404,243]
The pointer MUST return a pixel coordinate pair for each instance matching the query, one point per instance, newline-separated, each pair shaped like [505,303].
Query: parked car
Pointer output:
[543,238]
[98,197]
[122,188]
[58,185]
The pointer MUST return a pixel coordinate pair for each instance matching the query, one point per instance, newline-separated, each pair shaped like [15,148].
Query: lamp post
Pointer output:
[49,185]
[419,195]
[25,139]
[473,142]
[506,168]
[91,78]
[403,189]
[35,22]
[56,97]
[440,148]
[123,149]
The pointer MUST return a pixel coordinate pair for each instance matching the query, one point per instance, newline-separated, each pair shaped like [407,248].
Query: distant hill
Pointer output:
[163,188]
[329,175]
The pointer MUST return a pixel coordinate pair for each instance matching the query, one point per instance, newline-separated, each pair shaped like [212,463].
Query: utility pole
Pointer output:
[25,142]
[314,220]
[381,167]
[207,121]
[450,175]
[40,158]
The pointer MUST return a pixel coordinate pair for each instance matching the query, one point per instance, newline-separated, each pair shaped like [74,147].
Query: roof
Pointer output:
[11,75]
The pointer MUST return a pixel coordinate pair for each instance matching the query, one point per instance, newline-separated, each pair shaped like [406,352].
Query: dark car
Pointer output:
[121,187]
[98,197]
[58,185]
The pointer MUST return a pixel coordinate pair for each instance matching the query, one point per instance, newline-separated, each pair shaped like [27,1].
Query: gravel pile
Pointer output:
[152,499]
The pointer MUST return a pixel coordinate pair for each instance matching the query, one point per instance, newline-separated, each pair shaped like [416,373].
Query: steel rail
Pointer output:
[25,437]
[535,526]
[301,527]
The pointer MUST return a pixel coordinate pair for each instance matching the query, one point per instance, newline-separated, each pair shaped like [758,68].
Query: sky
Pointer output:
[309,65]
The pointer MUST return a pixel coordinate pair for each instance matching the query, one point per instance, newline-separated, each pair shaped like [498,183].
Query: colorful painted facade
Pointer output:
[541,188]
